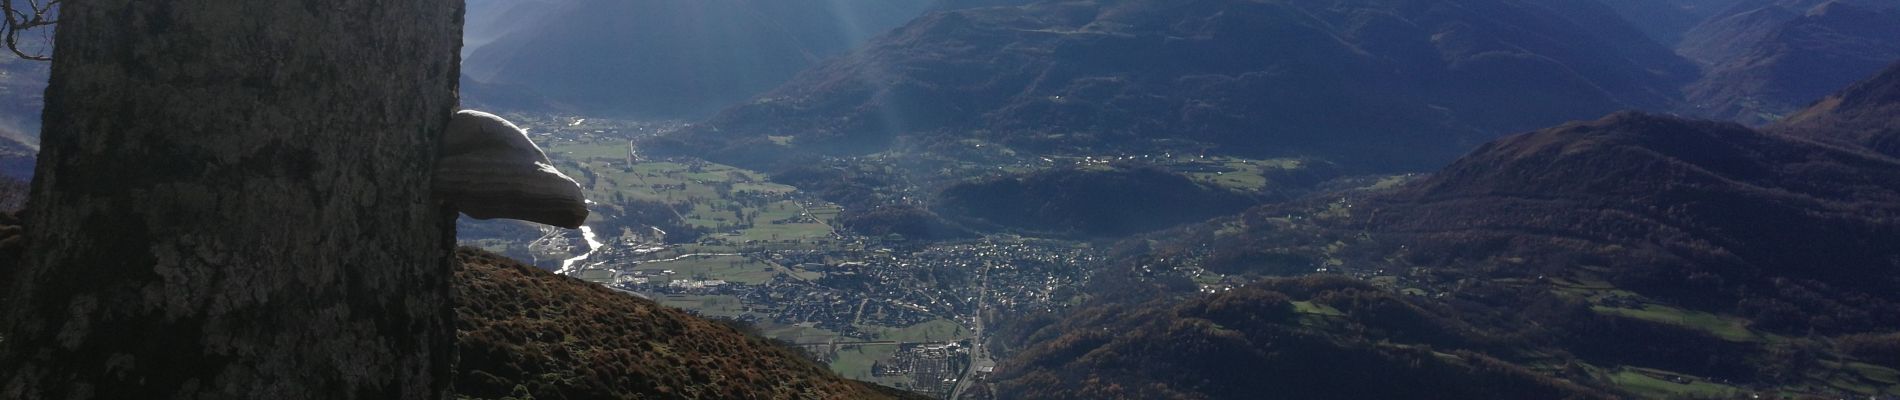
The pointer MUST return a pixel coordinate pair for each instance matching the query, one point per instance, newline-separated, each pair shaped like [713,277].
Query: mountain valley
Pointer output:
[1059,199]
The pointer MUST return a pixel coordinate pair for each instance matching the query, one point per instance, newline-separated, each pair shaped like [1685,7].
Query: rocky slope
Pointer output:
[1373,83]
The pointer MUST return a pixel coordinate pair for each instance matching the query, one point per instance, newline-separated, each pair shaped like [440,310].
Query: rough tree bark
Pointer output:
[232,201]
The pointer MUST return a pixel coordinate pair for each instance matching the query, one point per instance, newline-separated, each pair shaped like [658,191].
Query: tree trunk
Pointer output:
[232,201]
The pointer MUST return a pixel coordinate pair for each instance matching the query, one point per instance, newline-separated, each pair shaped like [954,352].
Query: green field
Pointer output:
[708,194]
[596,275]
[1587,286]
[1245,175]
[1642,382]
[1728,328]
[854,362]
[764,230]
[736,269]
[743,213]
[1887,377]
[739,206]
[705,194]
[797,333]
[1857,377]
[1305,307]
[606,149]
[1852,377]
[827,213]
[940,330]
[711,306]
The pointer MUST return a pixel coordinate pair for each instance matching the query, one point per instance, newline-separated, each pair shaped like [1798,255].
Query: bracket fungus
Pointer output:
[489,169]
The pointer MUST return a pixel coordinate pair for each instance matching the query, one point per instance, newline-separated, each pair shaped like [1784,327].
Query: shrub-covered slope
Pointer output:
[522,330]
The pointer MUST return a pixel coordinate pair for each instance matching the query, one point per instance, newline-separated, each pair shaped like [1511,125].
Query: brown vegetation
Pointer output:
[1878,349]
[1712,215]
[523,331]
[1251,341]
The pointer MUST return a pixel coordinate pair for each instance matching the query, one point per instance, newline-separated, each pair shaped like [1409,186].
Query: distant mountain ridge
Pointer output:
[1407,83]
[1767,59]
[669,58]
[487,20]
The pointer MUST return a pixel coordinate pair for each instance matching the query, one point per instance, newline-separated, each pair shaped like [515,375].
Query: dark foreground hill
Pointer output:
[1386,84]
[524,331]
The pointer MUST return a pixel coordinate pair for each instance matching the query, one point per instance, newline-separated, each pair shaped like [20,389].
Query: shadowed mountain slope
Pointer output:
[1766,62]
[1705,213]
[1867,114]
[1384,84]
[1255,342]
[1666,21]
[1563,263]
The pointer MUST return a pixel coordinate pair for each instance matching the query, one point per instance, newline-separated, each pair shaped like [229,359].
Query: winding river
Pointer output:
[570,265]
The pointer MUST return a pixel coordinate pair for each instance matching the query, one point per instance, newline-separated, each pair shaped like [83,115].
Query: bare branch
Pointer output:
[35,14]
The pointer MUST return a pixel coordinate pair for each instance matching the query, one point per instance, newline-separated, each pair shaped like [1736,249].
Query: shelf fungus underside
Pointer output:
[489,169]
